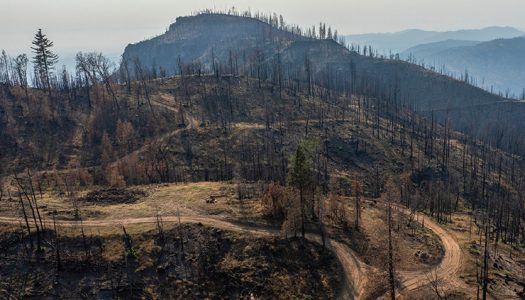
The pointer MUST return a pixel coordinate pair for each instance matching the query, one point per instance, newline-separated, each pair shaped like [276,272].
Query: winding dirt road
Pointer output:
[355,279]
[353,283]
[449,266]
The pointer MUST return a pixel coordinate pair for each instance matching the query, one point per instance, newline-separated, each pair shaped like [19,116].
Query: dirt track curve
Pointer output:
[355,271]
[351,265]
[449,266]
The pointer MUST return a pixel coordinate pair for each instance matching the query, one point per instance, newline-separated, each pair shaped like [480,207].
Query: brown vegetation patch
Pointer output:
[114,196]
[415,247]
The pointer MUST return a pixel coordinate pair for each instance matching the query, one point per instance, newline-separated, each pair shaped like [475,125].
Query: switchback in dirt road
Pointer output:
[356,271]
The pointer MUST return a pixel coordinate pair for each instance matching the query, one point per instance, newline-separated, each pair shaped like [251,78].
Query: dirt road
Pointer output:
[353,283]
[447,270]
[355,271]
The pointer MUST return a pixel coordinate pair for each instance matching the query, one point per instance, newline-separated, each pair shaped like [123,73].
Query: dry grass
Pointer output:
[408,241]
[200,198]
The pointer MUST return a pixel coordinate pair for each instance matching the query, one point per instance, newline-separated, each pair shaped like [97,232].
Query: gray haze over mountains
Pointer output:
[398,42]
[497,65]
[494,57]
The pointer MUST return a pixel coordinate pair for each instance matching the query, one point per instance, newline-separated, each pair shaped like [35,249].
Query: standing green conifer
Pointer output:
[44,60]
[301,177]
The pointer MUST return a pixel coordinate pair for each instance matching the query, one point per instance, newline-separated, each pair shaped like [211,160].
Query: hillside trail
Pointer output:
[192,123]
[355,272]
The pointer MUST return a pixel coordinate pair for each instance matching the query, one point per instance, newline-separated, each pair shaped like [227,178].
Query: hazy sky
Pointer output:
[109,25]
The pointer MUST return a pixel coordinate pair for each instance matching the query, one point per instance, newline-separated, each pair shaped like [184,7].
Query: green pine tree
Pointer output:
[44,59]
[301,176]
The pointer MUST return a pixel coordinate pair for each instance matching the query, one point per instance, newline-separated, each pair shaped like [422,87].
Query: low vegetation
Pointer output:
[188,261]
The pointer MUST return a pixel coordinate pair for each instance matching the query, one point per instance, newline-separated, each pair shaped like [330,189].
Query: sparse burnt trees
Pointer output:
[24,213]
[5,77]
[21,71]
[233,61]
[94,67]
[308,71]
[141,75]
[391,270]
[161,237]
[260,70]
[484,274]
[279,74]
[57,245]
[85,76]
[356,187]
[104,68]
[436,283]
[28,193]
[378,182]
[445,153]
[125,75]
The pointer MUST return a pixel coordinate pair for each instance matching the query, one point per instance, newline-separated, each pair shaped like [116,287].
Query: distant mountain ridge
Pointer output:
[499,63]
[398,42]
[420,51]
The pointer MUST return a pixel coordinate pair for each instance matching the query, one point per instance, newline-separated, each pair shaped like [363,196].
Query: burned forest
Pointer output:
[238,156]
